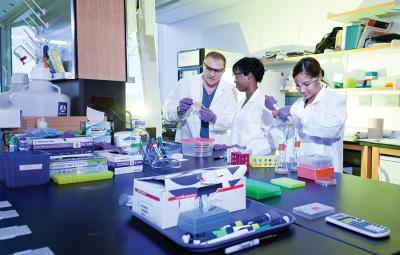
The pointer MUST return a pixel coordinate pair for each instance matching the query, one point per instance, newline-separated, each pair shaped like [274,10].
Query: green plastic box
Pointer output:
[66,178]
[288,182]
[260,190]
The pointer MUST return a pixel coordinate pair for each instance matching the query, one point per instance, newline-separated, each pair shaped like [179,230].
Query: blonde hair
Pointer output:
[216,55]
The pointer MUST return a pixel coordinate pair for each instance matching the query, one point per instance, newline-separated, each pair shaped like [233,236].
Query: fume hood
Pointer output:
[32,30]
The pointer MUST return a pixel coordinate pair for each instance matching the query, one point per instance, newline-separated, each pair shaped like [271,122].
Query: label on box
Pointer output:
[127,169]
[101,128]
[30,167]
[62,108]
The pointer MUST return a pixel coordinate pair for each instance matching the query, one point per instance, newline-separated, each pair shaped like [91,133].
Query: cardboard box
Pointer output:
[120,160]
[123,163]
[95,129]
[161,199]
[61,123]
[102,139]
[100,131]
[59,143]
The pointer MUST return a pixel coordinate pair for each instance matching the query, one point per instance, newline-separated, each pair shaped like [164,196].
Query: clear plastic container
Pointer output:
[197,147]
[140,135]
[315,161]
[281,166]
[315,167]
[296,155]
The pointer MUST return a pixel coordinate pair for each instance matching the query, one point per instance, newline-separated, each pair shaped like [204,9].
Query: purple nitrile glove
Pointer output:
[269,103]
[68,134]
[220,147]
[207,115]
[184,105]
[283,113]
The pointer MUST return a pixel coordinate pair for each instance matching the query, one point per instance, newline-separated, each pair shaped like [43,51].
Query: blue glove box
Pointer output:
[25,168]
[196,221]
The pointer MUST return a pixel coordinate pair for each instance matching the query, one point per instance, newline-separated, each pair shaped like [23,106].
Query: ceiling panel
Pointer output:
[170,11]
[8,7]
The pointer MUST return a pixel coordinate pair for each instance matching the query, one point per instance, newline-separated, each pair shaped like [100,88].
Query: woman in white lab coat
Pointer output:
[184,103]
[321,113]
[252,119]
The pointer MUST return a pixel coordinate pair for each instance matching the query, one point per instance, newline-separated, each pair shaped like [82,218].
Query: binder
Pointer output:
[338,41]
[353,33]
[370,32]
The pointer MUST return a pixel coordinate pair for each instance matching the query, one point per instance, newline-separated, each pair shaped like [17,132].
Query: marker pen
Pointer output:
[247,244]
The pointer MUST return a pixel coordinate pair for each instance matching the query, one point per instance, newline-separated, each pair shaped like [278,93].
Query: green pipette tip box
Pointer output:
[66,178]
[288,182]
[260,190]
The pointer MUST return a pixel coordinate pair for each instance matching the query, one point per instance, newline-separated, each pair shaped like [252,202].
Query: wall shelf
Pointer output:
[364,13]
[292,60]
[376,90]
[362,91]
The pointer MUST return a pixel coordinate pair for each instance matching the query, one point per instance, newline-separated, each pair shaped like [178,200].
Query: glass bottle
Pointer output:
[281,166]
[140,136]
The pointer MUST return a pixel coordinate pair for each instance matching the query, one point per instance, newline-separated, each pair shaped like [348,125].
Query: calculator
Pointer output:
[358,225]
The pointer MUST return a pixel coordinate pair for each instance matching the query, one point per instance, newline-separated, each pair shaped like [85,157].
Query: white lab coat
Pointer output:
[223,105]
[252,125]
[321,125]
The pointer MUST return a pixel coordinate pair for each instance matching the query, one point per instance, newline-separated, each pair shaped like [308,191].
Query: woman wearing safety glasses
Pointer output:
[321,113]
[252,123]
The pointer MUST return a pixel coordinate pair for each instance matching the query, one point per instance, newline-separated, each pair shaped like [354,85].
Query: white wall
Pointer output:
[257,25]
[247,28]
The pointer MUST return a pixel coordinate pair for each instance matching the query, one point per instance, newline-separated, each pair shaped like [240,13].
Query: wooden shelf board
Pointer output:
[363,13]
[293,60]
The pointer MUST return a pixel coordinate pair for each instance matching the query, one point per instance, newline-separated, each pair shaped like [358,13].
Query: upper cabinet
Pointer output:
[380,10]
[100,28]
[35,32]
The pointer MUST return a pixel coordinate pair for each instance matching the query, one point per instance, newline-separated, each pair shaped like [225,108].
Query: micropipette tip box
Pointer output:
[288,182]
[260,190]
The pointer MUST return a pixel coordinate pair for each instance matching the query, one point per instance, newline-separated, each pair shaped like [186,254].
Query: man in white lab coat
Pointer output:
[203,105]
[253,120]
[321,113]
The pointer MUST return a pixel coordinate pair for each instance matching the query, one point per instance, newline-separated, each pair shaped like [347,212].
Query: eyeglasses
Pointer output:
[235,75]
[210,69]
[307,83]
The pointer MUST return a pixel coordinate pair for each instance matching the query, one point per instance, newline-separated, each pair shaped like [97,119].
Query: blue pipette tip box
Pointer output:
[197,221]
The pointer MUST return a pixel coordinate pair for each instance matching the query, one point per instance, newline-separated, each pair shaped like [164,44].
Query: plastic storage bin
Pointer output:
[315,167]
[2,166]
[197,147]
[26,168]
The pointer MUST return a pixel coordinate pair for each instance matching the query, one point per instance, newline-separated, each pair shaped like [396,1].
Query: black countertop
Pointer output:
[85,218]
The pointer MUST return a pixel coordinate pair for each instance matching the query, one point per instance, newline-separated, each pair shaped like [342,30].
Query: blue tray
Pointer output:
[253,209]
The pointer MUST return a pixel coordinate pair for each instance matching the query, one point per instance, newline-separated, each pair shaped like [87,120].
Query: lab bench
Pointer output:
[371,150]
[85,218]
[378,148]
[354,145]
